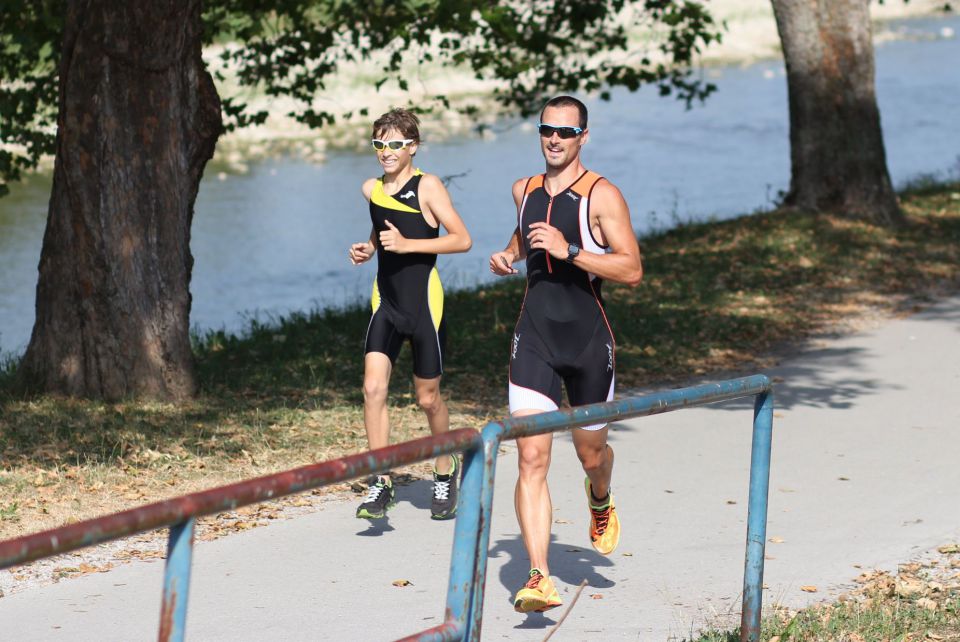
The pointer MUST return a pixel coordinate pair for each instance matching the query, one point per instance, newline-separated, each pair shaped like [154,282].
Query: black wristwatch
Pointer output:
[572,251]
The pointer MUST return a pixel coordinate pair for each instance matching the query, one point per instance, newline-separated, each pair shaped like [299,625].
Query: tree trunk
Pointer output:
[836,144]
[138,120]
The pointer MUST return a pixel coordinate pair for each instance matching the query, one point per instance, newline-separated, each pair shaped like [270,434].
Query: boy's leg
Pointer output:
[438,417]
[376,379]
[446,476]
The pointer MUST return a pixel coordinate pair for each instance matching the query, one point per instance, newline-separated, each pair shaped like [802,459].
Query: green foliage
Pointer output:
[292,48]
[30,34]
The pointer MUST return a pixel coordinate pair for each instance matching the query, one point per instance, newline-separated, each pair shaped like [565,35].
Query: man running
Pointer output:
[407,208]
[574,230]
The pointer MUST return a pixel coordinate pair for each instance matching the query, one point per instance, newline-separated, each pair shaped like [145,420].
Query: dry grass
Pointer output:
[716,297]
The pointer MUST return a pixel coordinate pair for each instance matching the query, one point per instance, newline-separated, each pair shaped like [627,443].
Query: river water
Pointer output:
[275,239]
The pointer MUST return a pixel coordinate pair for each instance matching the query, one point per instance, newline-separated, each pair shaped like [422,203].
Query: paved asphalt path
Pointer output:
[864,475]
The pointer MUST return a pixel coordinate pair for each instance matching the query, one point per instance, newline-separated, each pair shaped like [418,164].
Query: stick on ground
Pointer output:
[567,612]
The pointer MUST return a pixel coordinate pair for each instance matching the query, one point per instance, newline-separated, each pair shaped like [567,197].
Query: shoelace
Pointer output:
[441,490]
[534,580]
[601,516]
[374,492]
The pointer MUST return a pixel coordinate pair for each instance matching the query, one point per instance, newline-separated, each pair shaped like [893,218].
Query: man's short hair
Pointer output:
[404,121]
[567,101]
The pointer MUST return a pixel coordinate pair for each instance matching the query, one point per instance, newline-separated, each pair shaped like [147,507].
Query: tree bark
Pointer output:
[836,144]
[138,120]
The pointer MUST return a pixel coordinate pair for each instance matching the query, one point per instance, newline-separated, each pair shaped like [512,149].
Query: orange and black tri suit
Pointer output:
[562,334]
[407,295]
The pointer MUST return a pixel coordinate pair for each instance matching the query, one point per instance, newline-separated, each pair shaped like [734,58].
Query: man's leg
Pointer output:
[596,457]
[376,379]
[532,495]
[535,515]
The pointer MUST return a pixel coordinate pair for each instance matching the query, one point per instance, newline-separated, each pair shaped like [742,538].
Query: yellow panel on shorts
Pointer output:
[375,296]
[435,298]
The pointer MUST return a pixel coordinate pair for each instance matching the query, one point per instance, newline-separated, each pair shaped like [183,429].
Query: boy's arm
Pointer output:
[435,200]
[364,251]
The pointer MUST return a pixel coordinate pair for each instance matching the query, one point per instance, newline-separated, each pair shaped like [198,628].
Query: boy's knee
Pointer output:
[374,390]
[429,401]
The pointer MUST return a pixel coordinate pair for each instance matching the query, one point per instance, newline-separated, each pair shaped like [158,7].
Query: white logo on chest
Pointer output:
[516,344]
[409,194]
[573,196]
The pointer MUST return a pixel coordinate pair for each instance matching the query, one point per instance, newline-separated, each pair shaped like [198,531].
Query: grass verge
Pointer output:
[716,296]
[920,603]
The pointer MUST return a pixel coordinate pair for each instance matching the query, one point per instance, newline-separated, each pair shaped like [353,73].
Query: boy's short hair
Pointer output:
[404,121]
[567,101]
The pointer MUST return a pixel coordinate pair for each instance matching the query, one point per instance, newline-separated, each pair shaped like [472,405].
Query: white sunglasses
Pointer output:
[395,145]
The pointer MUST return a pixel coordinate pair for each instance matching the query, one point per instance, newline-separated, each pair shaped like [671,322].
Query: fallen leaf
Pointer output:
[596,596]
[949,548]
[402,583]
[776,540]
[628,554]
[650,351]
[560,521]
[731,502]
[843,479]
[927,603]
[809,588]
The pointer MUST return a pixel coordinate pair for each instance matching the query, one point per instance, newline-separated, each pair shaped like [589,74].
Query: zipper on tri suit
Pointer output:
[549,207]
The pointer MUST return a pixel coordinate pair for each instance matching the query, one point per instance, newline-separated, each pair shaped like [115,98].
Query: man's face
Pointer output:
[392,160]
[560,152]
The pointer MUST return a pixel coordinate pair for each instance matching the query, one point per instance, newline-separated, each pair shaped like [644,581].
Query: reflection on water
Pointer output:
[276,239]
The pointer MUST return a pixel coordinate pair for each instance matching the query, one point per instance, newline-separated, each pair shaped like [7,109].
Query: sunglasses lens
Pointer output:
[396,145]
[547,131]
[378,145]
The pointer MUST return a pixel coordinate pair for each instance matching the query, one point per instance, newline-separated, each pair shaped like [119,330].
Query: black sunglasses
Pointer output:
[567,131]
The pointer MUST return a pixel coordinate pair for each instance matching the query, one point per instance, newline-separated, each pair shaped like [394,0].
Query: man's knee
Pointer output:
[592,456]
[534,460]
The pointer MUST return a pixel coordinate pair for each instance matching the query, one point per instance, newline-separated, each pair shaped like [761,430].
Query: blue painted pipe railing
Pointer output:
[468,562]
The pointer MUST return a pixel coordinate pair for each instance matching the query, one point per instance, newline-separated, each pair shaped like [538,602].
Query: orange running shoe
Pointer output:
[604,523]
[538,594]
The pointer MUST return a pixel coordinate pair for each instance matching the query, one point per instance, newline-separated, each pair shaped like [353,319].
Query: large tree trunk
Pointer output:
[139,118]
[836,145]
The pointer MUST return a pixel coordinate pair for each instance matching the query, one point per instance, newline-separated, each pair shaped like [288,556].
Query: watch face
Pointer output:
[573,249]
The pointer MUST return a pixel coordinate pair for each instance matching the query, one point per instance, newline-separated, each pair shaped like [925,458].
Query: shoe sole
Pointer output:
[534,606]
[444,516]
[364,514]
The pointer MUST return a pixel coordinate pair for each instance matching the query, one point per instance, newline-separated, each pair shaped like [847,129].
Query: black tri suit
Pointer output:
[562,334]
[407,297]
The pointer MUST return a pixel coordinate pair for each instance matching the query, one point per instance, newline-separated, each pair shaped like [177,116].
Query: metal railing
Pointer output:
[468,563]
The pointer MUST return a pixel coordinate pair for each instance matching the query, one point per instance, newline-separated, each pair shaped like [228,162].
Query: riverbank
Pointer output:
[750,36]
[716,297]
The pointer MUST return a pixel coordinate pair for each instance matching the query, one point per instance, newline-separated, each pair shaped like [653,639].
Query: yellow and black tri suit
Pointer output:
[407,295]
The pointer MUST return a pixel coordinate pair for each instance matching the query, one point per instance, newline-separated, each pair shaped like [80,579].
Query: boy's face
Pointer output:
[395,160]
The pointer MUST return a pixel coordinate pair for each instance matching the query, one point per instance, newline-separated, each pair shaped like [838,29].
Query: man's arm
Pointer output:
[434,201]
[610,216]
[501,263]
